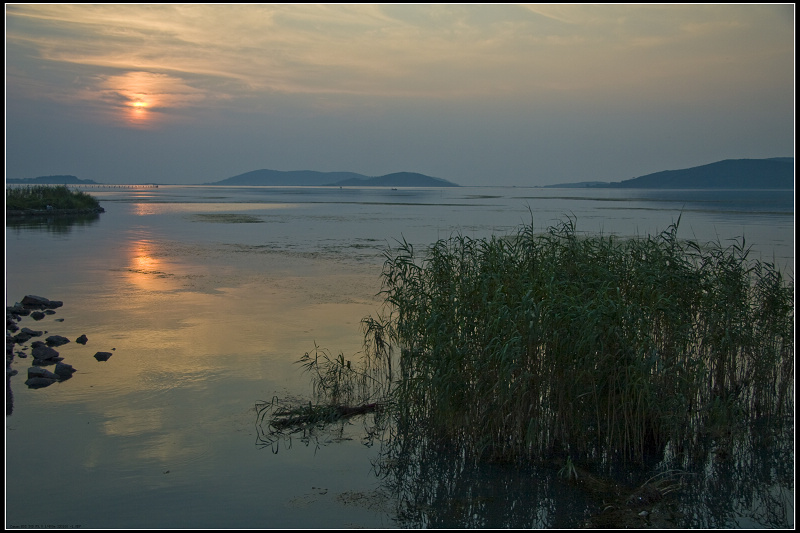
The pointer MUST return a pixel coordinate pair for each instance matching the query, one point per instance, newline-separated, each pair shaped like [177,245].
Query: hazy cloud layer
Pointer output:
[477,94]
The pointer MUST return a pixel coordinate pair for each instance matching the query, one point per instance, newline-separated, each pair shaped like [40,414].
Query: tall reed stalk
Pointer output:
[593,346]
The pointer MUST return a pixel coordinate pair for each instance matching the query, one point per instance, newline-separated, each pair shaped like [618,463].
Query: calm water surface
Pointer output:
[207,296]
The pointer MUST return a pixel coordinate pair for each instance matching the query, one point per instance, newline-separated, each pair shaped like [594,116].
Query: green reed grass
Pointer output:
[40,196]
[593,347]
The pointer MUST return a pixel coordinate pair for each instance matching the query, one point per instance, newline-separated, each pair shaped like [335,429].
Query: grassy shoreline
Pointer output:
[50,200]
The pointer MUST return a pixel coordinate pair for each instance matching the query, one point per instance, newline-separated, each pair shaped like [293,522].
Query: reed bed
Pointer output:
[590,347]
[40,196]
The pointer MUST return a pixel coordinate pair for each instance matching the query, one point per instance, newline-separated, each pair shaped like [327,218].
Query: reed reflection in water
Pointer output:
[741,481]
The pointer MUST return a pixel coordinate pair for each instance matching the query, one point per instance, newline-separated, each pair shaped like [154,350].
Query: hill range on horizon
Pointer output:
[312,178]
[770,173]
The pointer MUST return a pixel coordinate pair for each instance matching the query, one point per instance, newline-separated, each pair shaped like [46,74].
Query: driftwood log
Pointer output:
[320,414]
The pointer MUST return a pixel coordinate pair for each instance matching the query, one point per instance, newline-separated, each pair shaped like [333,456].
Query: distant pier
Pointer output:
[109,186]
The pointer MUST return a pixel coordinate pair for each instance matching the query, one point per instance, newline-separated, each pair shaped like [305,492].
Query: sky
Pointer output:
[516,95]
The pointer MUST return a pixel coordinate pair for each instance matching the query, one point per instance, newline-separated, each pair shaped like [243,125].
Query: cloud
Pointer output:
[423,51]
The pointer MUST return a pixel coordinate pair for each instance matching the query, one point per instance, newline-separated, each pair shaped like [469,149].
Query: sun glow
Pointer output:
[137,111]
[145,270]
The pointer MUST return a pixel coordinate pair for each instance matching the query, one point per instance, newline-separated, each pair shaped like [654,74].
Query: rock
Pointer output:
[102,356]
[37,315]
[83,339]
[44,353]
[63,370]
[36,372]
[38,383]
[47,362]
[38,302]
[32,332]
[56,340]
[35,302]
[17,310]
[21,337]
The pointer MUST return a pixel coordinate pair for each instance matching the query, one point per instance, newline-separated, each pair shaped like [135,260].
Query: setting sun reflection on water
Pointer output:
[145,209]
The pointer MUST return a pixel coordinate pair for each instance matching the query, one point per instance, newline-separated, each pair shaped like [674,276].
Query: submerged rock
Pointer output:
[102,356]
[56,340]
[32,300]
[64,371]
[17,310]
[44,353]
[38,383]
[36,372]
[25,334]
[38,302]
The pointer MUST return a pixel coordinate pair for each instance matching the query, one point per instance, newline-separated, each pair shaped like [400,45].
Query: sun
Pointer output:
[138,111]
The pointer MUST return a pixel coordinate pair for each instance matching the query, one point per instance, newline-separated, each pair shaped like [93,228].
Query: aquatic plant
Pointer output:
[588,347]
[593,345]
[41,196]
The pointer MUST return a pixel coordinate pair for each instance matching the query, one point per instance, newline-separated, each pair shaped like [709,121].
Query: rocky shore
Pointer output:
[42,352]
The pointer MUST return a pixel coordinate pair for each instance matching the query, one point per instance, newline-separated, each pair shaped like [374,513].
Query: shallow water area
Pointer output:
[207,296]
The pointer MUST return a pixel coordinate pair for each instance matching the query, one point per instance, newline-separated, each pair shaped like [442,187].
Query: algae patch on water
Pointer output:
[226,218]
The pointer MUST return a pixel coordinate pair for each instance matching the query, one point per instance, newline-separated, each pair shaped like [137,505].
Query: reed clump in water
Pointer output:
[41,196]
[596,347]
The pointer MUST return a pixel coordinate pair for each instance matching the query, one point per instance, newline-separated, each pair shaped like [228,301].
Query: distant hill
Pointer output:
[293,177]
[772,173]
[52,180]
[311,178]
[578,185]
[398,179]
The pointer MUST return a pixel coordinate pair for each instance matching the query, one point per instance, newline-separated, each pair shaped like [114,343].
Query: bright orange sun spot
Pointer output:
[138,111]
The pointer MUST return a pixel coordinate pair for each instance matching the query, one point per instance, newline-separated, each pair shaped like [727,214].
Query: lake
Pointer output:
[207,297]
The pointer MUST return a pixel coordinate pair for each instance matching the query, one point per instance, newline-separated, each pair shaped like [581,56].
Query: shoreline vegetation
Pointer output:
[47,200]
[594,349]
